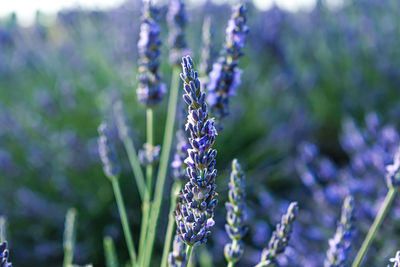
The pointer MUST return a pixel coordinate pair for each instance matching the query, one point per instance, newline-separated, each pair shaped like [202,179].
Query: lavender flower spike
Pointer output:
[224,77]
[395,260]
[149,155]
[339,245]
[4,255]
[177,257]
[280,237]
[195,209]
[151,90]
[177,19]
[236,215]
[107,152]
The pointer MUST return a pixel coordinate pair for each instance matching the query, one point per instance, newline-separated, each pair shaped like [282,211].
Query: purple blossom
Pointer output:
[280,237]
[195,209]
[339,245]
[236,214]
[224,77]
[151,89]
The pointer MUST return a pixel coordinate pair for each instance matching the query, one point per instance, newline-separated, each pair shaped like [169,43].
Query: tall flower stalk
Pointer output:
[111,169]
[195,209]
[280,237]
[339,245]
[124,135]
[236,215]
[225,75]
[177,20]
[392,178]
[150,93]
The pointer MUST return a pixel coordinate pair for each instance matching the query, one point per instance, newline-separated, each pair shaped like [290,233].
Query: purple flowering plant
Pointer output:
[179,191]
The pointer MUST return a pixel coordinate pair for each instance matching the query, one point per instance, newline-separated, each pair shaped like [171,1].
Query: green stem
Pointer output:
[69,237]
[135,165]
[109,251]
[143,231]
[124,219]
[164,162]
[189,250]
[171,223]
[149,178]
[231,264]
[150,141]
[390,196]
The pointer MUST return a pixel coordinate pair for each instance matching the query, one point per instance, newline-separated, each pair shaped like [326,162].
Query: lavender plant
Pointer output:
[224,77]
[112,171]
[280,237]
[339,245]
[392,177]
[151,89]
[194,212]
[236,215]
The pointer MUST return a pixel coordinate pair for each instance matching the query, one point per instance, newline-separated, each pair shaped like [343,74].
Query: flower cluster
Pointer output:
[178,255]
[4,255]
[224,77]
[195,210]
[236,215]
[340,243]
[107,152]
[151,89]
[177,19]
[149,154]
[280,237]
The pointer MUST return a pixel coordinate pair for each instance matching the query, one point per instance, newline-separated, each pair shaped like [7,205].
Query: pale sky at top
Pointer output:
[26,9]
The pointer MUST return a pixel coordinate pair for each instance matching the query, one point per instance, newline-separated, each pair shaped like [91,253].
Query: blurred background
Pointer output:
[314,70]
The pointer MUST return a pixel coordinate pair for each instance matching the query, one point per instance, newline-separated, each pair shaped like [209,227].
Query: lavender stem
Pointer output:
[124,219]
[164,162]
[109,251]
[69,237]
[176,187]
[375,226]
[189,250]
